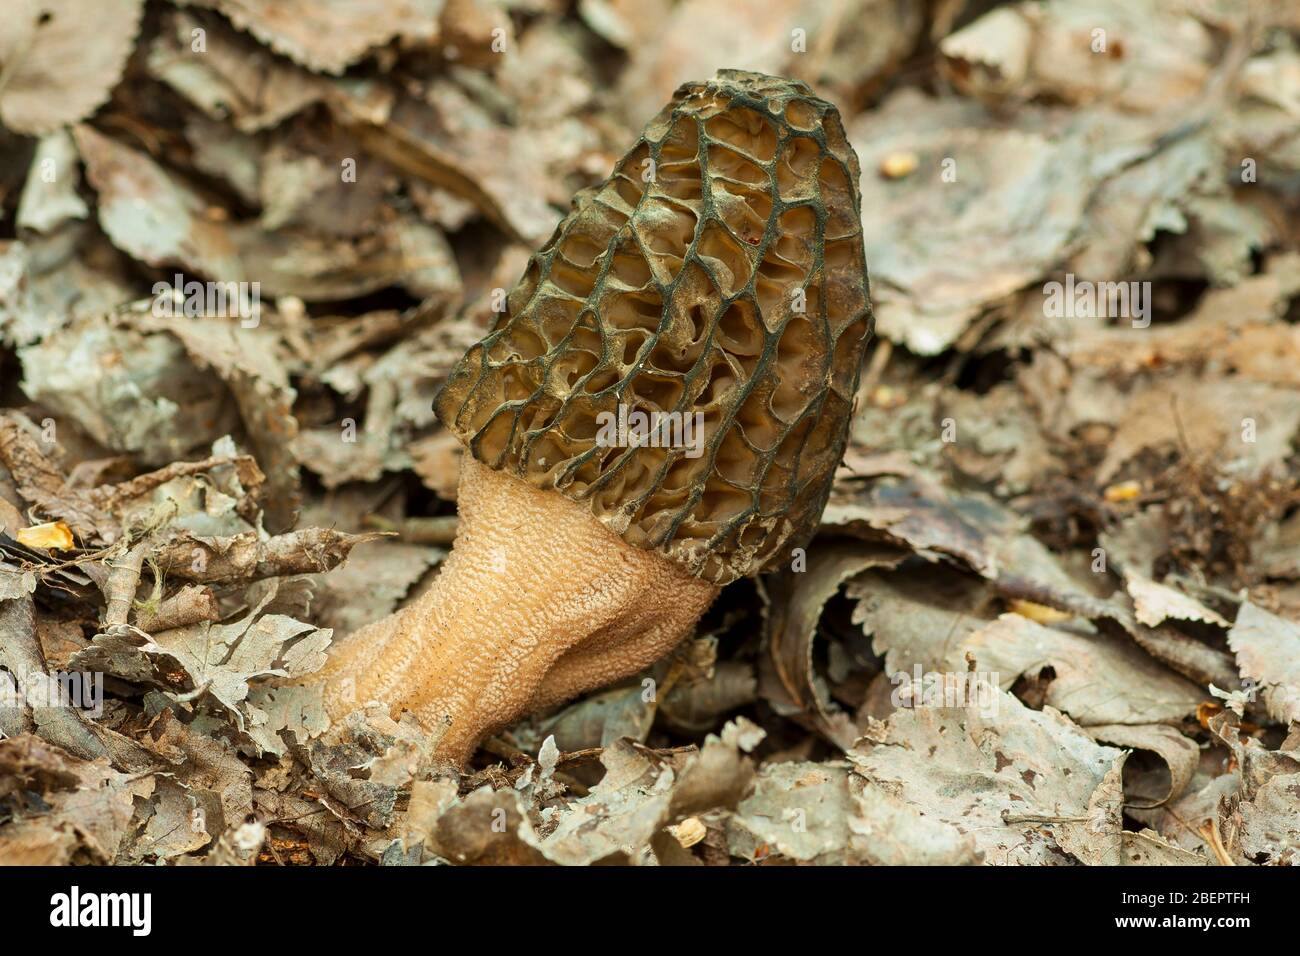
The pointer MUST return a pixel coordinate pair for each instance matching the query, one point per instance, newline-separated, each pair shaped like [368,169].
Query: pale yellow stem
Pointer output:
[537,603]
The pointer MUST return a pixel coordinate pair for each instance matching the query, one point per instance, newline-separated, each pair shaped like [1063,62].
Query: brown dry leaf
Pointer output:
[890,831]
[301,186]
[1157,176]
[1008,778]
[15,584]
[1278,555]
[1240,323]
[476,32]
[1135,58]
[822,813]
[1161,766]
[399,390]
[795,600]
[399,251]
[246,361]
[798,810]
[624,818]
[151,216]
[1100,839]
[37,700]
[61,58]
[1154,603]
[212,664]
[695,706]
[132,393]
[1008,201]
[86,808]
[852,46]
[499,170]
[248,557]
[1268,654]
[44,285]
[301,830]
[1271,822]
[48,201]
[1182,821]
[365,762]
[486,827]
[20,319]
[330,35]
[174,824]
[30,763]
[695,39]
[843,48]
[234,78]
[999,440]
[919,619]
[96,515]
[598,720]
[919,515]
[1261,820]
[639,796]
[1137,541]
[1096,679]
[436,459]
[209,766]
[1247,425]
[1262,123]
[156,218]
[625,23]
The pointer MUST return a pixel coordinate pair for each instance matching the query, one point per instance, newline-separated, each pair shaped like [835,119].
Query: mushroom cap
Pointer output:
[682,354]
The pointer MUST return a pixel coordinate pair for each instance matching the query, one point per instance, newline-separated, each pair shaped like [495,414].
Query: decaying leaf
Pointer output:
[61,59]
[1268,653]
[85,812]
[331,35]
[1094,678]
[212,664]
[1004,774]
[796,599]
[623,819]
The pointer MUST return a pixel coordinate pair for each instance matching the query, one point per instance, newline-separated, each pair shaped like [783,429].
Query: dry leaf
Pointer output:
[61,59]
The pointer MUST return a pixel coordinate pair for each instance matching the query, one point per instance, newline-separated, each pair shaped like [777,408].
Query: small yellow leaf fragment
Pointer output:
[689,832]
[1039,613]
[1123,491]
[899,164]
[53,536]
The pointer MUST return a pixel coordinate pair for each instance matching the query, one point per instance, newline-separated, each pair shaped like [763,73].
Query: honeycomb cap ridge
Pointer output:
[682,353]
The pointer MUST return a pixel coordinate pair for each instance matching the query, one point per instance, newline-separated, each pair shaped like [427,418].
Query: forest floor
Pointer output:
[1051,616]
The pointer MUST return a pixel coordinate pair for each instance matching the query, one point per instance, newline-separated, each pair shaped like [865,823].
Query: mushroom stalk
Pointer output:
[537,602]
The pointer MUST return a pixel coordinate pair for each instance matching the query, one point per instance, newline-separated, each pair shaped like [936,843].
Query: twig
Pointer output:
[120,588]
[1211,834]
[438,531]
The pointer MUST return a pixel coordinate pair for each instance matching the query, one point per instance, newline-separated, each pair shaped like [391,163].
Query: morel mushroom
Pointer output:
[658,412]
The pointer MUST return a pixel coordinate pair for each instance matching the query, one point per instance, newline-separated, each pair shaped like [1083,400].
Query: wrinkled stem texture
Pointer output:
[537,603]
